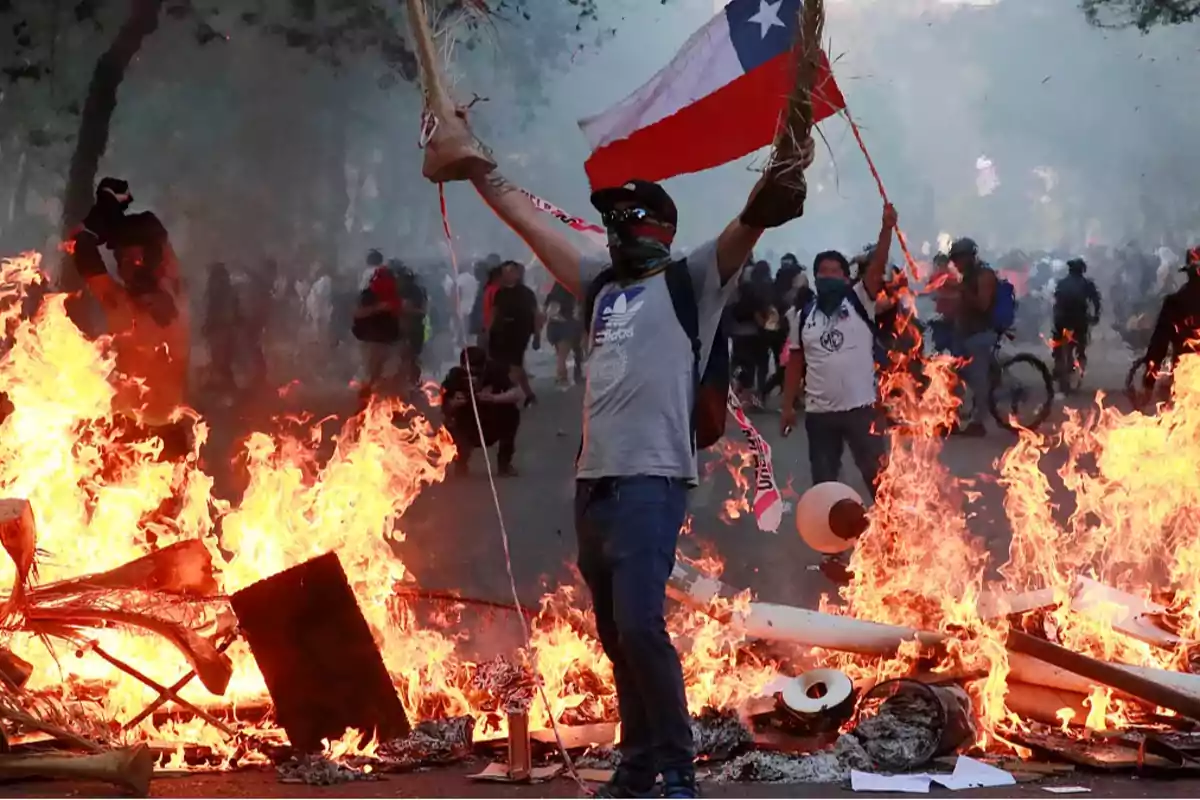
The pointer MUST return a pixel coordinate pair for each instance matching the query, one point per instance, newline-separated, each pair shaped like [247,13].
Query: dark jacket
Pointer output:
[1072,297]
[1178,326]
[514,313]
[495,376]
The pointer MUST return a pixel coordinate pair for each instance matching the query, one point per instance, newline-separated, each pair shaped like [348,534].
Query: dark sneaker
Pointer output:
[462,467]
[679,784]
[531,400]
[625,785]
[507,471]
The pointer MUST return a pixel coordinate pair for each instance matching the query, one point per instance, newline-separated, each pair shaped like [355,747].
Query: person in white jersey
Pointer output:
[832,355]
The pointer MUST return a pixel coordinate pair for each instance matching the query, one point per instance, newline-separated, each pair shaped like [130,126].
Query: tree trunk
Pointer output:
[98,108]
[92,140]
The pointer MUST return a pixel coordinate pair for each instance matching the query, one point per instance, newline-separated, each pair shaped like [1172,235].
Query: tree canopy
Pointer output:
[1142,14]
[204,67]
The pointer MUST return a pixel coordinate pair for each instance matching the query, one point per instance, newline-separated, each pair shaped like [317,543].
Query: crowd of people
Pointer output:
[658,341]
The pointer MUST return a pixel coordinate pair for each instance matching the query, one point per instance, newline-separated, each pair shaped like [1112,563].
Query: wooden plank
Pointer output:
[317,655]
[1158,693]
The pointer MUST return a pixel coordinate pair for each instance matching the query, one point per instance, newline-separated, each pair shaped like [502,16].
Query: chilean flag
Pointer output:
[720,98]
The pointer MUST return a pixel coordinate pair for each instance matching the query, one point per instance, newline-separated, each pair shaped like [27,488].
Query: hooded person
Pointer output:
[144,303]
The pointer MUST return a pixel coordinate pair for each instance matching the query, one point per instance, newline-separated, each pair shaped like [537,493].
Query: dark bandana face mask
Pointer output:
[636,244]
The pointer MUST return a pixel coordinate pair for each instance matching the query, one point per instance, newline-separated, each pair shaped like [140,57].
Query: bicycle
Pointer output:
[1070,360]
[1006,390]
[1005,386]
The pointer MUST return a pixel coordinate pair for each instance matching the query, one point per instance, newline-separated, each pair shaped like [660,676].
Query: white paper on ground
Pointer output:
[972,774]
[1067,789]
[968,774]
[871,782]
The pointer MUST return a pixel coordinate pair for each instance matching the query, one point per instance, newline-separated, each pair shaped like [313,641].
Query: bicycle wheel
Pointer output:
[1020,397]
[1075,367]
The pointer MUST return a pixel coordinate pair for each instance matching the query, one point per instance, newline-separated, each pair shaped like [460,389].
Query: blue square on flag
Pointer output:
[761,29]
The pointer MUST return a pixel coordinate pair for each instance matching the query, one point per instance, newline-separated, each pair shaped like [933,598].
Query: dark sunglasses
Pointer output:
[623,215]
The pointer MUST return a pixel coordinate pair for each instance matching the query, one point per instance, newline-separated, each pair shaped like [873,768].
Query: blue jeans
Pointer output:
[975,373]
[627,528]
[828,434]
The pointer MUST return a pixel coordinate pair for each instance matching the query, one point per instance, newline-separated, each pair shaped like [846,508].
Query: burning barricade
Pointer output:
[148,622]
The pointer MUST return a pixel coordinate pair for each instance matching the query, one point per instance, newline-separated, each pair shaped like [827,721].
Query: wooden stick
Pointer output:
[436,96]
[158,687]
[452,153]
[173,691]
[1118,678]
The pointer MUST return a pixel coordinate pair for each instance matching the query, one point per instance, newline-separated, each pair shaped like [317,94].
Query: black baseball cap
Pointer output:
[646,194]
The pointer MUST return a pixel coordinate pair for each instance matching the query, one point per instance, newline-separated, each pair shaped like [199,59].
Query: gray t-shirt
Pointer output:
[637,406]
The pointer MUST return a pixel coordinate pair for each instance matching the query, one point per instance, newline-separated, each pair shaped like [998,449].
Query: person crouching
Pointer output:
[499,401]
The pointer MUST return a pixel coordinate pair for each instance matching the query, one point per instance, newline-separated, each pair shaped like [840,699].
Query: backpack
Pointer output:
[1004,307]
[712,384]
[879,347]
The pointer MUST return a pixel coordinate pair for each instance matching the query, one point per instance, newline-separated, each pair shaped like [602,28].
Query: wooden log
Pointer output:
[1028,669]
[1043,704]
[128,768]
[317,655]
[1156,692]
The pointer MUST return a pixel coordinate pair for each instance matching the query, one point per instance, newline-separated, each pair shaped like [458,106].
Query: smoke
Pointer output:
[248,148]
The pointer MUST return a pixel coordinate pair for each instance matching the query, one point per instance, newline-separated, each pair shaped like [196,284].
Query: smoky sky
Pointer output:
[934,86]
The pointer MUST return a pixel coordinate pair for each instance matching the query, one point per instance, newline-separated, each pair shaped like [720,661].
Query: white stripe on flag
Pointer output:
[705,63]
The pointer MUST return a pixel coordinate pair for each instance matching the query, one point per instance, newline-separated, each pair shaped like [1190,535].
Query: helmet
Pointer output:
[1077,266]
[963,248]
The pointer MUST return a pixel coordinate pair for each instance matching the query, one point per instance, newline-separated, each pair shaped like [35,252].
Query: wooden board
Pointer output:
[317,655]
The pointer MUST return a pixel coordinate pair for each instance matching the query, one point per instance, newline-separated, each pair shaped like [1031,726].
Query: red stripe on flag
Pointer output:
[737,119]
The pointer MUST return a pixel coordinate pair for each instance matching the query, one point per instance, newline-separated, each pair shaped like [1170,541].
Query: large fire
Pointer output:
[102,498]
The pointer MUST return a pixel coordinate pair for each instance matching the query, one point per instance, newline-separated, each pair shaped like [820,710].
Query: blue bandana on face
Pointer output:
[830,294]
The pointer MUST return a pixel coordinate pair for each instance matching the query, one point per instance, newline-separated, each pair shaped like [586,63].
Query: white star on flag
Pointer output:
[767,16]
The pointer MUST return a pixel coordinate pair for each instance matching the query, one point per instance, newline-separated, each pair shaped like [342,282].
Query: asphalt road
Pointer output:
[455,783]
